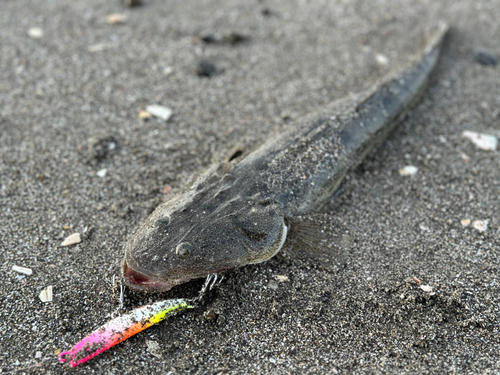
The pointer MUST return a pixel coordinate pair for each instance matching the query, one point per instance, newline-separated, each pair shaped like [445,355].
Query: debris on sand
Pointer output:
[482,141]
[426,288]
[26,271]
[381,59]
[281,278]
[409,170]
[480,225]
[154,348]
[72,240]
[35,33]
[465,222]
[159,111]
[486,59]
[132,3]
[46,294]
[144,115]
[116,18]
[205,68]
[102,172]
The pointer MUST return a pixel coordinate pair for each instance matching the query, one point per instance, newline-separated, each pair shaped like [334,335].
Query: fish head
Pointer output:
[200,233]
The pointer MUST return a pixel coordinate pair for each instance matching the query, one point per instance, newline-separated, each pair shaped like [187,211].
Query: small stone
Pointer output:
[167,189]
[482,141]
[480,225]
[38,355]
[281,278]
[210,315]
[159,111]
[486,59]
[26,271]
[205,68]
[113,19]
[72,240]
[46,294]
[144,115]
[132,3]
[272,285]
[426,288]
[381,59]
[35,33]
[409,170]
[465,222]
[167,71]
[266,12]
[102,172]
[154,348]
[465,157]
[234,37]
[98,47]
[208,38]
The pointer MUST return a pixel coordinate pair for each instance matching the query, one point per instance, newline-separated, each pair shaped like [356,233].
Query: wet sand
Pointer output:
[419,292]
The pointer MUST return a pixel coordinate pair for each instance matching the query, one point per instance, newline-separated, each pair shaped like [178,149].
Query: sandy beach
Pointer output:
[420,291]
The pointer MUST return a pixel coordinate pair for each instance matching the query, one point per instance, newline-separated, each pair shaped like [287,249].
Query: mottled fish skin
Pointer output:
[241,213]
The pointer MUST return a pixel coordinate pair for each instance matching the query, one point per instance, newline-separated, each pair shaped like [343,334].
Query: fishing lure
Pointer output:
[121,328]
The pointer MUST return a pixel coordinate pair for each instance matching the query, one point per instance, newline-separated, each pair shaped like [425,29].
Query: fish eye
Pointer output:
[184,249]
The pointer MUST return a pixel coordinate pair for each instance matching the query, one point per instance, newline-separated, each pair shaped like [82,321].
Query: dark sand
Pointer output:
[57,98]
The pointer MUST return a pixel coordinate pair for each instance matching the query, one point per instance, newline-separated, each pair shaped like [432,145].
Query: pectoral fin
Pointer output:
[319,239]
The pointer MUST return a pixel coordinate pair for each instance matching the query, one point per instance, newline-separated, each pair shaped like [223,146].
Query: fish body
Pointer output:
[244,212]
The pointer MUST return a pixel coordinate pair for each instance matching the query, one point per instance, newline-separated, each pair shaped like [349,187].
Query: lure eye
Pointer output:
[184,249]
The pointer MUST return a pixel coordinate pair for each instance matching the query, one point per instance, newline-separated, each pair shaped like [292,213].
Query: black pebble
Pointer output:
[486,59]
[208,38]
[266,12]
[205,68]
[235,38]
[103,148]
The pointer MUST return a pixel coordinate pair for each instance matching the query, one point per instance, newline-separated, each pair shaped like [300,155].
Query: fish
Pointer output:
[244,211]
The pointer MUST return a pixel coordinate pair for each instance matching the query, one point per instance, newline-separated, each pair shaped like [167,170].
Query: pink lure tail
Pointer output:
[121,328]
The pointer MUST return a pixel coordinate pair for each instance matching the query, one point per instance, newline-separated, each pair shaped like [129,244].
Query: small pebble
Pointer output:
[281,278]
[144,115]
[426,288]
[486,59]
[210,315]
[116,18]
[159,111]
[205,68]
[132,3]
[482,141]
[381,59]
[272,285]
[208,38]
[98,47]
[154,348]
[167,71]
[72,240]
[35,33]
[26,271]
[38,355]
[233,37]
[480,225]
[46,294]
[102,172]
[409,170]
[465,222]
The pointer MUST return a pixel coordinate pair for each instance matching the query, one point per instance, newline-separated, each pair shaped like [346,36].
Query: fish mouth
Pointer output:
[140,281]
